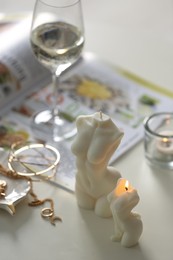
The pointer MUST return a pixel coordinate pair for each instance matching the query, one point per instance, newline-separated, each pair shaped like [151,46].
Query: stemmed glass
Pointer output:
[57,39]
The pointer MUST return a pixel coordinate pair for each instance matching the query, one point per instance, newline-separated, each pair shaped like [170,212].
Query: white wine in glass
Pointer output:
[57,39]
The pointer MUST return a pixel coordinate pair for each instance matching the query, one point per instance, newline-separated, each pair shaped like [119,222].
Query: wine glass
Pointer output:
[57,39]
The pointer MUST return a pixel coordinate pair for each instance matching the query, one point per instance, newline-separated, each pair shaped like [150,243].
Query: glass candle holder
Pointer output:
[158,140]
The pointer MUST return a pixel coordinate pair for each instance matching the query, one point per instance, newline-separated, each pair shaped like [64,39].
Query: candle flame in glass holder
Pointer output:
[166,142]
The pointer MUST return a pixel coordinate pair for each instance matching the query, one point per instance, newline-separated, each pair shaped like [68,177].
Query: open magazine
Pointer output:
[90,85]
[20,72]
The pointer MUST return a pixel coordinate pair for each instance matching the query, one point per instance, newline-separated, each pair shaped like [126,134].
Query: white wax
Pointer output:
[165,144]
[96,140]
[127,225]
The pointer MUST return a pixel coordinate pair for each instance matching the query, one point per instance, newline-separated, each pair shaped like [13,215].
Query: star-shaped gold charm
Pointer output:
[15,191]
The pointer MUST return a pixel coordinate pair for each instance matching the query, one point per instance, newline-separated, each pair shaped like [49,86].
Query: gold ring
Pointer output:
[47,212]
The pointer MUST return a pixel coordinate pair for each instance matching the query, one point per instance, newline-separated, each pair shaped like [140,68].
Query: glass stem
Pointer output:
[56,95]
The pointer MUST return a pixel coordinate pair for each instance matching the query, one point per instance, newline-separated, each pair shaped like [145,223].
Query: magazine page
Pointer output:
[20,72]
[92,86]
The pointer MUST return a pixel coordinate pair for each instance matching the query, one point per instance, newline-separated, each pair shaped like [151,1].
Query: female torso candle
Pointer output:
[127,225]
[97,139]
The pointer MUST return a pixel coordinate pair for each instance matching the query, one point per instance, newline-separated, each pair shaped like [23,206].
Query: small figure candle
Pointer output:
[128,226]
[96,140]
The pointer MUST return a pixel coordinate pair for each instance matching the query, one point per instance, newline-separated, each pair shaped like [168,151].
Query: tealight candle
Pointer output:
[127,225]
[158,140]
[165,143]
[96,140]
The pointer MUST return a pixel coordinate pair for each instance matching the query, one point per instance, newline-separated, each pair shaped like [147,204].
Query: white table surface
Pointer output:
[136,35]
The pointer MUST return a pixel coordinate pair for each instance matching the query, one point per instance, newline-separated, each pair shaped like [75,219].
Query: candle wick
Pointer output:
[101,116]
[126,188]
[166,142]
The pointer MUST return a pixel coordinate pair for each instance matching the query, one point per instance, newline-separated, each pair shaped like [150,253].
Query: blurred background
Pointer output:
[134,34]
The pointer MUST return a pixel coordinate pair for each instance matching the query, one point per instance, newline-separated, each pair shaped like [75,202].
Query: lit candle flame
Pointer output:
[126,185]
[166,142]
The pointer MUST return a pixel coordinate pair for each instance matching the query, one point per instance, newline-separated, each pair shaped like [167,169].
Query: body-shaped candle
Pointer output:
[96,140]
[127,225]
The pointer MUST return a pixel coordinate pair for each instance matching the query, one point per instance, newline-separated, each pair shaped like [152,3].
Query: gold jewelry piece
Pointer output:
[46,212]
[3,186]
[31,159]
